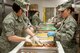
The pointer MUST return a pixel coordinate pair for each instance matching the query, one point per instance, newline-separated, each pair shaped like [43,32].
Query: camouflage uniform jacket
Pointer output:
[13,25]
[66,32]
[35,20]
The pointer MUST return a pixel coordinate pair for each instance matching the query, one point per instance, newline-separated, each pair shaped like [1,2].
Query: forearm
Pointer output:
[63,36]
[29,32]
[15,38]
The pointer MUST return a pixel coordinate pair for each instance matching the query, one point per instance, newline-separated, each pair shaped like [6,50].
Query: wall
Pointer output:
[47,3]
[8,9]
[42,4]
[8,1]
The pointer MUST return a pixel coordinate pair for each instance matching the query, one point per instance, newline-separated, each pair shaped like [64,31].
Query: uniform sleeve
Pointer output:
[8,27]
[33,21]
[26,25]
[67,33]
[27,21]
[38,19]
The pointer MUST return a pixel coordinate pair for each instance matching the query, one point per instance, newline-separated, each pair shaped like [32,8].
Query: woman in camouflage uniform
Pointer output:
[15,25]
[66,31]
[35,19]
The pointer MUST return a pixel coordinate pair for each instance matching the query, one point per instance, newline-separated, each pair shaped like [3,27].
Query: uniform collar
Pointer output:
[68,17]
[17,18]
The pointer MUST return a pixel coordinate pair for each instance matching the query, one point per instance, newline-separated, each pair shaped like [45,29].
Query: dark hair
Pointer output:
[31,13]
[16,7]
[71,9]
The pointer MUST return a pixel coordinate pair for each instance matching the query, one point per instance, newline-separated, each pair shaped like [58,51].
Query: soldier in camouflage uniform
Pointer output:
[15,26]
[35,19]
[66,31]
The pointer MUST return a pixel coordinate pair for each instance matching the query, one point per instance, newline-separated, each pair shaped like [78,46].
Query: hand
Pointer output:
[51,33]
[58,24]
[27,39]
[32,29]
[37,27]
[37,40]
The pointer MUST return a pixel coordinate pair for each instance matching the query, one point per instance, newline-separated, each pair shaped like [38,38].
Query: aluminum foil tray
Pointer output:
[31,49]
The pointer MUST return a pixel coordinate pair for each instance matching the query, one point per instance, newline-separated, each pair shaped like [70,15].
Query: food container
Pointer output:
[48,45]
[46,27]
[44,36]
[39,49]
